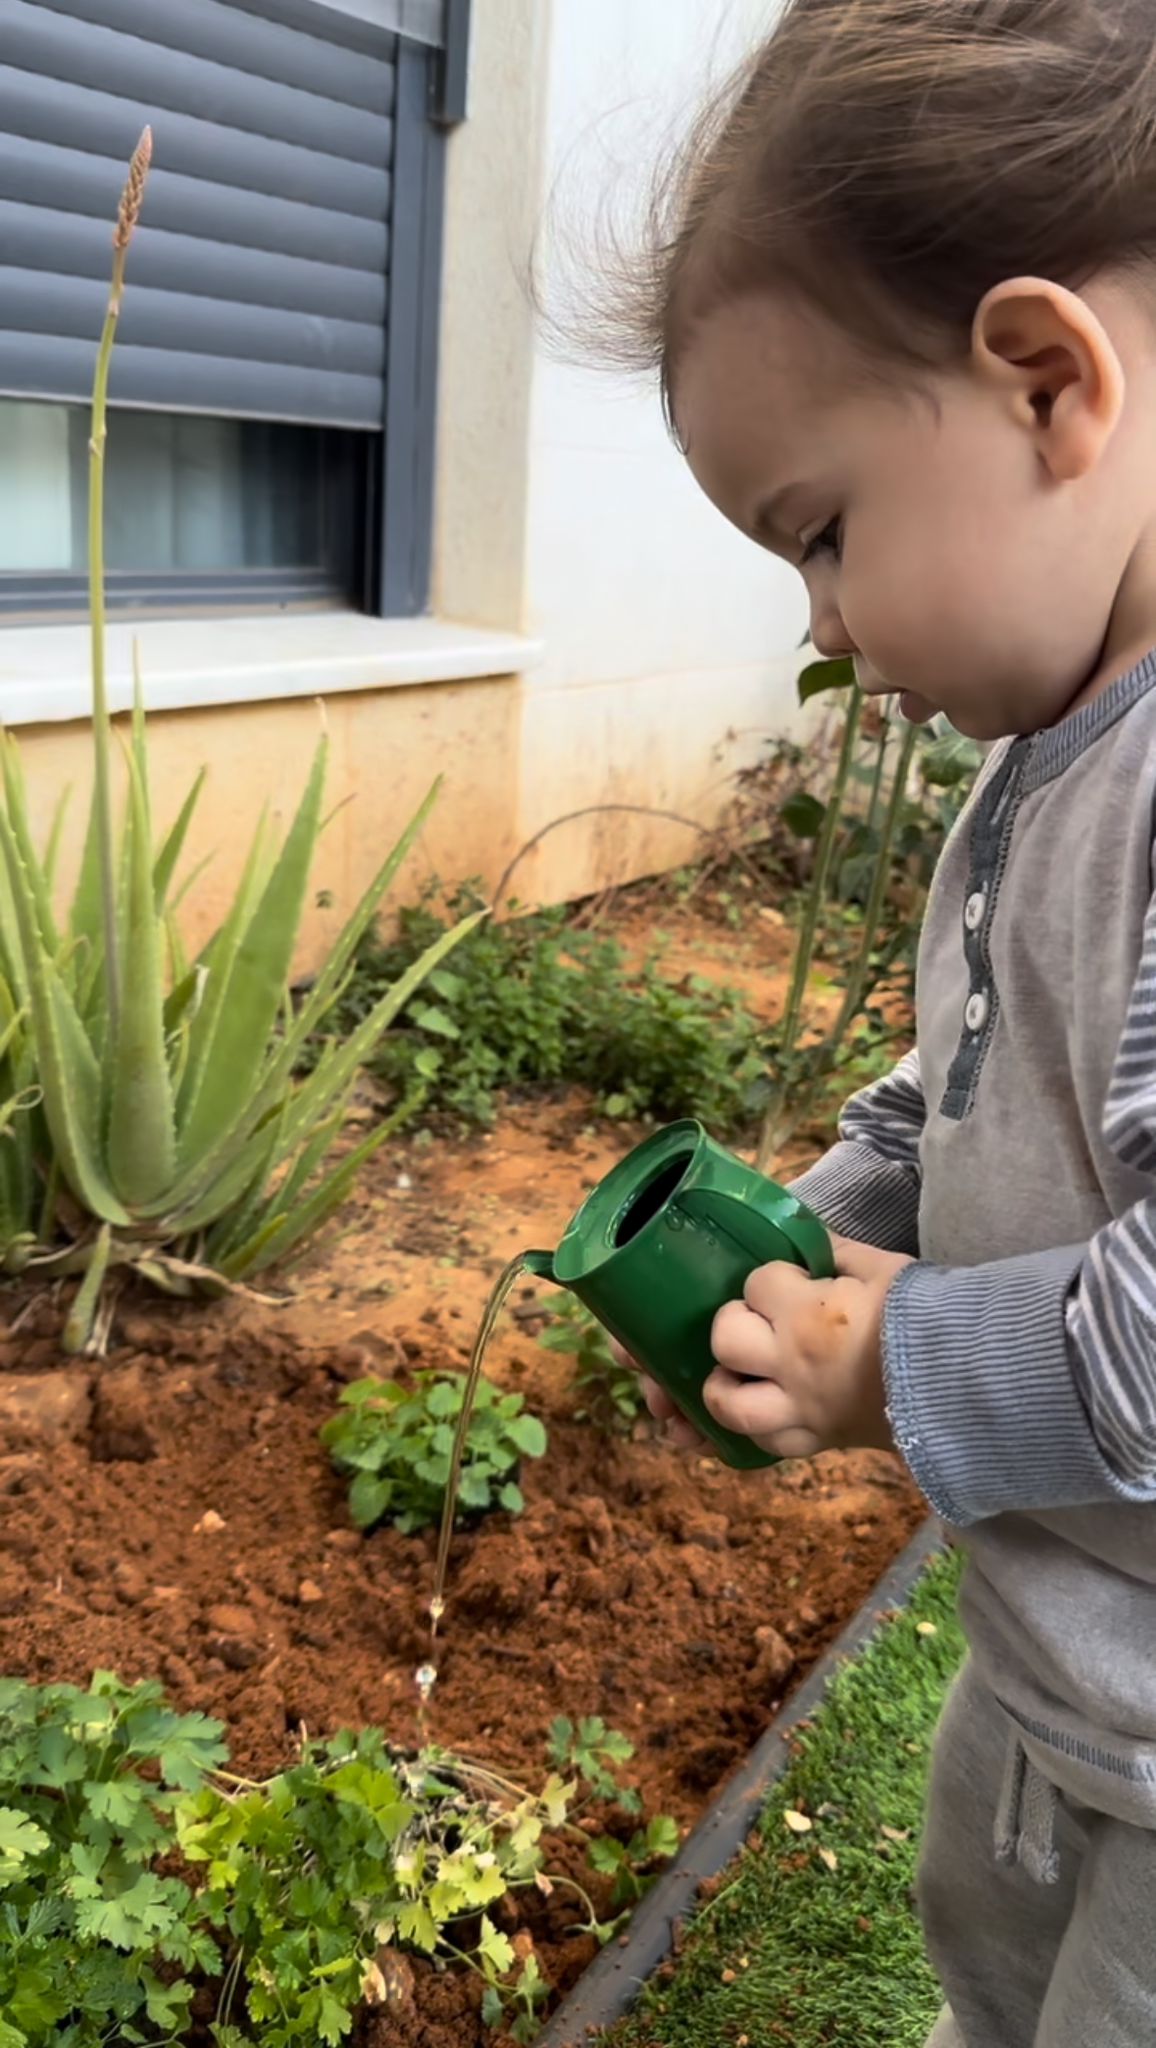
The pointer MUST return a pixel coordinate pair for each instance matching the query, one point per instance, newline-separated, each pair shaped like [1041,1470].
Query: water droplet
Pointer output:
[437,1608]
[425,1678]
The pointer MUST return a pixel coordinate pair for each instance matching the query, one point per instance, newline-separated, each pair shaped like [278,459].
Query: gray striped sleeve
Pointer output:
[1031,1383]
[1112,1314]
[980,1390]
[867,1186]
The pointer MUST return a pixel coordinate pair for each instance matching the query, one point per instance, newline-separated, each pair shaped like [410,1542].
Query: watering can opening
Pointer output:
[650,1198]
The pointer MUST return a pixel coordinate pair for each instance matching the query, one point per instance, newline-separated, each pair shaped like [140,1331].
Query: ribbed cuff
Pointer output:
[861,1195]
[980,1389]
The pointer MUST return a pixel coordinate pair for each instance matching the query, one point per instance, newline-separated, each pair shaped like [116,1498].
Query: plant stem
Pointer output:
[770,1136]
[853,998]
[877,780]
[101,729]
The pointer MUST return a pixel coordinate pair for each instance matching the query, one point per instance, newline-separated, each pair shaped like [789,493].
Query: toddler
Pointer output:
[902,299]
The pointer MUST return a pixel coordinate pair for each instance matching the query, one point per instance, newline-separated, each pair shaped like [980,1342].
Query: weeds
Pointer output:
[532,1004]
[300,1899]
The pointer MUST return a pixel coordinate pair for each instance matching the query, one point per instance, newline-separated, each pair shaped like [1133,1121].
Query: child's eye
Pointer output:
[829,542]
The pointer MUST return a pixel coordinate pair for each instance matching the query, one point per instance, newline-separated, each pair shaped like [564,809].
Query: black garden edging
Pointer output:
[610,1986]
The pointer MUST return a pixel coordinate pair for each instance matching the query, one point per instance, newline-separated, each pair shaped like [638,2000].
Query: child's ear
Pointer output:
[1048,354]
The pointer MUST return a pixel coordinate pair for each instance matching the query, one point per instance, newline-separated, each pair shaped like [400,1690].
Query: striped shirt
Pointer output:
[1015,1154]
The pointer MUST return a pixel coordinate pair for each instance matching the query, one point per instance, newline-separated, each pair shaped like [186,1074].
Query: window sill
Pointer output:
[186,663]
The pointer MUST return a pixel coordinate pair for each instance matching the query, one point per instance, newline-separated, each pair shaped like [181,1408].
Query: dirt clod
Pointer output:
[43,1408]
[124,1423]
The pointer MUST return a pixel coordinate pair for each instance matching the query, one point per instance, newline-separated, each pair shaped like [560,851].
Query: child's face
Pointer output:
[938,544]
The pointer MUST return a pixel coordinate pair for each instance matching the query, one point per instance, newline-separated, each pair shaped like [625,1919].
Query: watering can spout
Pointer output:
[541,1265]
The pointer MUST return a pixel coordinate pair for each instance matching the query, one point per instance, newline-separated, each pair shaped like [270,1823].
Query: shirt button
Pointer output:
[977,1011]
[976,910]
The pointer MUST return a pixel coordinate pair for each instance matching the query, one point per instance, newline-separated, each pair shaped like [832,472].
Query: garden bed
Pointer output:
[170,1513]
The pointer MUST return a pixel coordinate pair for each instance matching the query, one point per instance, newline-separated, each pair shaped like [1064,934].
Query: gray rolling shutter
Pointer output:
[259,281]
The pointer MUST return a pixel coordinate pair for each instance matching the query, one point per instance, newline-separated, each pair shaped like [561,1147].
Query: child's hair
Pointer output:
[892,160]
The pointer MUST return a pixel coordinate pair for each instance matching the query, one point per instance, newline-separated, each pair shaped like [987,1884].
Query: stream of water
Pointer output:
[425,1677]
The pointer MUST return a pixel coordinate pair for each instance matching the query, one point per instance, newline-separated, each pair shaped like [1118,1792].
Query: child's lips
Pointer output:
[916,710]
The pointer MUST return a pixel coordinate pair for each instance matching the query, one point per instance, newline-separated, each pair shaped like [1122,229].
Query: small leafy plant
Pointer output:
[611,1394]
[320,1877]
[597,1754]
[95,1942]
[397,1444]
[302,1896]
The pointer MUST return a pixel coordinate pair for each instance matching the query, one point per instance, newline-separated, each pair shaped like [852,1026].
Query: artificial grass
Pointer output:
[826,1953]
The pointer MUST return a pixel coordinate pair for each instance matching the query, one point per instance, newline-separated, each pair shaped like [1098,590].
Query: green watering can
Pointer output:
[672,1233]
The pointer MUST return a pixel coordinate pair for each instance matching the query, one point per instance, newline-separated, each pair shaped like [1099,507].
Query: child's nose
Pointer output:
[829,636]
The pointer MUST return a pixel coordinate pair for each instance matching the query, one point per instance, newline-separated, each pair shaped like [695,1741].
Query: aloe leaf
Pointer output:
[141,1131]
[235,1217]
[313,1100]
[327,986]
[238,1222]
[16,805]
[52,850]
[328,1078]
[281,1233]
[174,844]
[85,916]
[250,1156]
[11,945]
[67,1066]
[310,1158]
[225,945]
[247,1013]
[78,1328]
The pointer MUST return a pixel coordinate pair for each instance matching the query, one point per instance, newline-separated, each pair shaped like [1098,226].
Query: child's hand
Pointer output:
[661,1406]
[800,1365]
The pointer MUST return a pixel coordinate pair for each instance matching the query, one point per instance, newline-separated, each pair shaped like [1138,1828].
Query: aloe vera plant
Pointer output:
[149,1114]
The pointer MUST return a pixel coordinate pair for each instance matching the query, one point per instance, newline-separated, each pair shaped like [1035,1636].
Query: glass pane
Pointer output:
[182,494]
[35,487]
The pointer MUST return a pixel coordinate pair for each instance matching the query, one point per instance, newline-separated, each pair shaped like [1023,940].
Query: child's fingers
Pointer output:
[658,1400]
[663,1409]
[760,1410]
[743,1341]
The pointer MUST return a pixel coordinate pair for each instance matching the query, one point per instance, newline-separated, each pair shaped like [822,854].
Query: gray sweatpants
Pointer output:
[1069,1962]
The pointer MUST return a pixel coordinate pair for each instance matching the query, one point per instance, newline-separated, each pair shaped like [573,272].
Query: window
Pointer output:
[198,511]
[272,392]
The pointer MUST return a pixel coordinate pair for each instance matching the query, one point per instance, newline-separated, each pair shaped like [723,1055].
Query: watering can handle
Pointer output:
[760,1222]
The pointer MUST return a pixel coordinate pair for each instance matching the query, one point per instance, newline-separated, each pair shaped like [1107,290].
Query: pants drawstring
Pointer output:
[1025,1822]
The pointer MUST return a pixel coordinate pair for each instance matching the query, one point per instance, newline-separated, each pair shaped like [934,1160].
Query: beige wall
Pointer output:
[493,200]
[386,748]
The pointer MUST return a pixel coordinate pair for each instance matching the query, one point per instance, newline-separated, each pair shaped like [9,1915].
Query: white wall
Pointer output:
[669,639]
[563,510]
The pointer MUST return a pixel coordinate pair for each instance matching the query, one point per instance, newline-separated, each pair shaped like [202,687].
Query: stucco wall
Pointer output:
[386,748]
